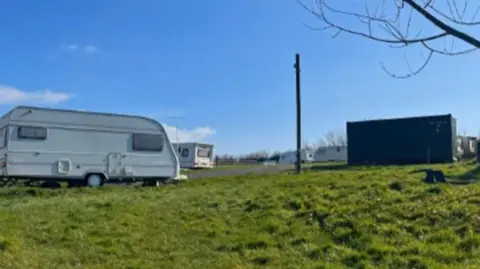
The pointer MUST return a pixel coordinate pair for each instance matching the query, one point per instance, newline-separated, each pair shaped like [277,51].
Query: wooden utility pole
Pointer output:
[298,164]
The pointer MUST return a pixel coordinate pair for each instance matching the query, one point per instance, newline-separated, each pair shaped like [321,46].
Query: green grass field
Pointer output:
[235,166]
[354,218]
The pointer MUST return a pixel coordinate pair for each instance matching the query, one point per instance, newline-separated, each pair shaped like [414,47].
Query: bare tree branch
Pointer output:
[307,145]
[382,28]
[332,139]
[452,18]
[387,25]
[447,29]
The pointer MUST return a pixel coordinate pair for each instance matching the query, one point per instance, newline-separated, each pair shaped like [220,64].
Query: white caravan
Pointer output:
[84,148]
[194,155]
[290,157]
[466,146]
[331,154]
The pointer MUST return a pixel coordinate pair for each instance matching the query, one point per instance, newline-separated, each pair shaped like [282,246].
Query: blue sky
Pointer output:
[225,67]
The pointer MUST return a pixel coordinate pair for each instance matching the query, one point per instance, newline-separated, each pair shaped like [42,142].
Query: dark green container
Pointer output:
[415,140]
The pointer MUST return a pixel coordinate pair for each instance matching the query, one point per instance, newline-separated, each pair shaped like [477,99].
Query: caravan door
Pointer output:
[114,164]
[185,157]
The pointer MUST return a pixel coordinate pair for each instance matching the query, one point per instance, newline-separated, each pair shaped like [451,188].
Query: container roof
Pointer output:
[402,118]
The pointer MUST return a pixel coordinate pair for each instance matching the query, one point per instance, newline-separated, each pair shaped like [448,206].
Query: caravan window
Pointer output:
[147,142]
[28,132]
[185,153]
[204,152]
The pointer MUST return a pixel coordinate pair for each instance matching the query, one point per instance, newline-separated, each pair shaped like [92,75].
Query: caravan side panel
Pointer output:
[186,154]
[331,154]
[87,150]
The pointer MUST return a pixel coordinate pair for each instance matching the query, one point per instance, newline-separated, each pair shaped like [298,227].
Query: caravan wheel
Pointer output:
[94,181]
[153,183]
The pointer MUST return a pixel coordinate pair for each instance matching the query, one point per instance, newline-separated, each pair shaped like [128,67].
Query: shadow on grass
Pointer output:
[473,174]
[469,177]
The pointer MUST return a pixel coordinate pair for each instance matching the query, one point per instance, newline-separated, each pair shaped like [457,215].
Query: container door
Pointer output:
[114,164]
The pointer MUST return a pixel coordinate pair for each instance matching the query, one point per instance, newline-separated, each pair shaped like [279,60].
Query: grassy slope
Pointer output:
[374,217]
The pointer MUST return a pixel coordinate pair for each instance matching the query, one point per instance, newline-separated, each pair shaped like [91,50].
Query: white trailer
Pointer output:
[194,155]
[331,154]
[84,148]
[290,157]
